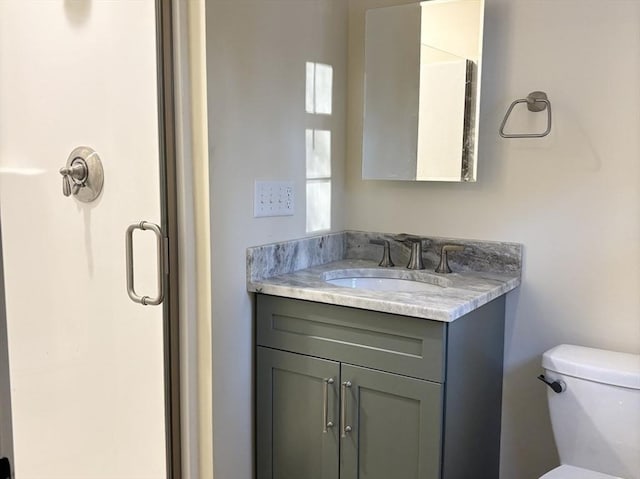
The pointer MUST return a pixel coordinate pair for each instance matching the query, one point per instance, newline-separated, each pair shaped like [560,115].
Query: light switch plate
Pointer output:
[273,198]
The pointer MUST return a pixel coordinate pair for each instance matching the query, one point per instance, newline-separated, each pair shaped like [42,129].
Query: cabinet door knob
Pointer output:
[346,429]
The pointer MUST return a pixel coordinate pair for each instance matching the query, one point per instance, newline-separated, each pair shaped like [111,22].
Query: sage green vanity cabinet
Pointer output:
[345,393]
[393,420]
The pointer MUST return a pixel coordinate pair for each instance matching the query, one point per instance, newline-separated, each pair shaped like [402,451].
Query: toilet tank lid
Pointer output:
[608,367]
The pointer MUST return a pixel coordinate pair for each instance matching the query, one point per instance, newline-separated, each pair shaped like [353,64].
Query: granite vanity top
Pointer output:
[298,269]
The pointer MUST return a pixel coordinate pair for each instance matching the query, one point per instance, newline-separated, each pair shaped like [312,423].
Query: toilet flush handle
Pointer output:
[558,386]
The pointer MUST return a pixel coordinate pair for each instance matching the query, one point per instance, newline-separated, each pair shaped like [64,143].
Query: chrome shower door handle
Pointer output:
[135,297]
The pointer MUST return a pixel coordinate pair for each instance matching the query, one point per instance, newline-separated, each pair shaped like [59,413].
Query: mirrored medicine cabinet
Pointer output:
[422,91]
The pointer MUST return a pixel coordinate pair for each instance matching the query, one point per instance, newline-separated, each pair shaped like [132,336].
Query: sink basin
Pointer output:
[377,279]
[383,284]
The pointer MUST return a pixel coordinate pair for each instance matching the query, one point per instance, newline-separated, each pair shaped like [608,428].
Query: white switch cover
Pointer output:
[273,198]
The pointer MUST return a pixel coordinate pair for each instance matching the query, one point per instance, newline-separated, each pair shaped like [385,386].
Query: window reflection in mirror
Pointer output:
[319,99]
[422,71]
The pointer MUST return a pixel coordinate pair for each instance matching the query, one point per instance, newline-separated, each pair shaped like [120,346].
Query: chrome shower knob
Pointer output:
[82,176]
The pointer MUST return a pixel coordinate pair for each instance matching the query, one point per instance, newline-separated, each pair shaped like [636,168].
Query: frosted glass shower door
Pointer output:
[86,363]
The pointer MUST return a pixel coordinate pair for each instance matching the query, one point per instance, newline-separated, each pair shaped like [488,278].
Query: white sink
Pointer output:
[386,279]
[383,284]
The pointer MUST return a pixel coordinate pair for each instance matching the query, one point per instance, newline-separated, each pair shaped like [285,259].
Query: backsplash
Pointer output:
[488,256]
[286,257]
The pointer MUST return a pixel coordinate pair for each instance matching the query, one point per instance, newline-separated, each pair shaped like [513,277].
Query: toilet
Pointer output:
[596,416]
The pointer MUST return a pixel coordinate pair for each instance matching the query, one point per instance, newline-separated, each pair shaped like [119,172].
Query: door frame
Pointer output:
[169,220]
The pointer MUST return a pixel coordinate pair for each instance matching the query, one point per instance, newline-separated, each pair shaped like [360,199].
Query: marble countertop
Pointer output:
[448,296]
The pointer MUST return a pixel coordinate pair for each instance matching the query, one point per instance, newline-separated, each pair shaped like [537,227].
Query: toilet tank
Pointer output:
[596,420]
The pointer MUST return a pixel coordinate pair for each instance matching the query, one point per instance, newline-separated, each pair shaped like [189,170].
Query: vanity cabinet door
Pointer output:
[396,426]
[293,400]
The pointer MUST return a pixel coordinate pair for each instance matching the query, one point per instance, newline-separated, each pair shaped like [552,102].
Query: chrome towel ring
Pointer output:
[536,101]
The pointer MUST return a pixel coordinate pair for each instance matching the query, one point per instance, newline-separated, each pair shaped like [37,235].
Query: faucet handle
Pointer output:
[76,173]
[443,267]
[385,262]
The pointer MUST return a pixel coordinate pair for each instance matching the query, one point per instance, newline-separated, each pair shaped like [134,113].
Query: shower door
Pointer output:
[86,363]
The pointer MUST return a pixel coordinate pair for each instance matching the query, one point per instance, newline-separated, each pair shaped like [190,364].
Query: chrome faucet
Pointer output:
[415,260]
[385,262]
[443,267]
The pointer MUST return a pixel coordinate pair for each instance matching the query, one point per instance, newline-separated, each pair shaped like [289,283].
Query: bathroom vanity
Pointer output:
[354,383]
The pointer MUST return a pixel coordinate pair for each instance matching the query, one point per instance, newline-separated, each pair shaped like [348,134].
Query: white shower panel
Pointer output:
[86,363]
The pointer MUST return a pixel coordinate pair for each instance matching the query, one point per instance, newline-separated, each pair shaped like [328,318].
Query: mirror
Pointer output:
[422,84]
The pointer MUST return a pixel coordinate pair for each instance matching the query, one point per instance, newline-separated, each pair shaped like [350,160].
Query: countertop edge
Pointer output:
[382,305]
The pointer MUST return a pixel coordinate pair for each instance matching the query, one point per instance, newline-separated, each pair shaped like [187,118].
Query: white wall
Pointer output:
[256,54]
[573,199]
